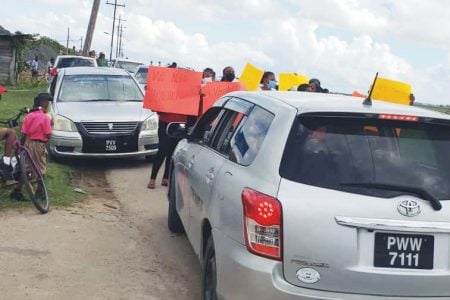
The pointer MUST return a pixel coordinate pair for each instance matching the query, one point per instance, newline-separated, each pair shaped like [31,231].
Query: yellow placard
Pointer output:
[290,80]
[251,77]
[391,91]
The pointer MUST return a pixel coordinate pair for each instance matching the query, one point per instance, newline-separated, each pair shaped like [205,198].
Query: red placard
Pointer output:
[214,90]
[2,90]
[173,90]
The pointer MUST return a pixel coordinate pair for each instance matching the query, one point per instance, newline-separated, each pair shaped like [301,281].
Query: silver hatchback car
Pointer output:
[98,112]
[315,196]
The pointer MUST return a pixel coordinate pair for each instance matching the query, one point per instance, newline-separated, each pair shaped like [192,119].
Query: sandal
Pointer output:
[165,182]
[151,184]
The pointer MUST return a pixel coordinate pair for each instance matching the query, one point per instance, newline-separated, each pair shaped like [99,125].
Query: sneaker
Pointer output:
[17,195]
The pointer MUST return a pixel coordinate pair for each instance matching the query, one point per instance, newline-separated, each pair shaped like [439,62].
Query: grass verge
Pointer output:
[59,177]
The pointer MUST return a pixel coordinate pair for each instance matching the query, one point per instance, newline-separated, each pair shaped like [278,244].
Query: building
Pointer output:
[9,55]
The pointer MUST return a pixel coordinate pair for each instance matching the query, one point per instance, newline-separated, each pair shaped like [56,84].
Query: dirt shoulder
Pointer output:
[114,245]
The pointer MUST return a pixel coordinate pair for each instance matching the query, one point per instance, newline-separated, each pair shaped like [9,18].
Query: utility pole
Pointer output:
[81,44]
[120,41]
[91,27]
[113,26]
[67,46]
[119,34]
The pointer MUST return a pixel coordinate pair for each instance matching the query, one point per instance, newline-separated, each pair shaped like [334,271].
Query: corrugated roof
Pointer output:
[3,31]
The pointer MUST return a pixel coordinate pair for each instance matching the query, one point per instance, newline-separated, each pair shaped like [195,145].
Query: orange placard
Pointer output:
[172,90]
[212,91]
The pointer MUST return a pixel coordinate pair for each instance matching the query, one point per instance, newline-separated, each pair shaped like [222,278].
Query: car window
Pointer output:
[99,88]
[248,138]
[222,136]
[141,75]
[69,62]
[331,152]
[127,65]
[204,128]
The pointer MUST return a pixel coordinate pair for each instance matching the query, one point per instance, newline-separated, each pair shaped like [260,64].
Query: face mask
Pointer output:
[229,77]
[206,80]
[272,84]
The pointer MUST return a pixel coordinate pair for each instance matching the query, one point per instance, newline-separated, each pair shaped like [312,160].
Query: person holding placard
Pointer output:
[228,74]
[268,82]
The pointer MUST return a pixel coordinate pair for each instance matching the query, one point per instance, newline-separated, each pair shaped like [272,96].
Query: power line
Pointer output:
[113,26]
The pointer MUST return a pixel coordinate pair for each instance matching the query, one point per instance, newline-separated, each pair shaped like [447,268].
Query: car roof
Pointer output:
[322,102]
[127,60]
[94,71]
[74,56]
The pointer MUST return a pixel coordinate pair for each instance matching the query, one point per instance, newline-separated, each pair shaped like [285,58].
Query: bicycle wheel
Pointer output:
[33,181]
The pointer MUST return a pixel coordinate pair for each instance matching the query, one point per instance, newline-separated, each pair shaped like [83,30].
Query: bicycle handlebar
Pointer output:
[14,121]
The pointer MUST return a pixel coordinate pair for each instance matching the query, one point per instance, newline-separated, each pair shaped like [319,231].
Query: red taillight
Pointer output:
[262,224]
[398,117]
[53,72]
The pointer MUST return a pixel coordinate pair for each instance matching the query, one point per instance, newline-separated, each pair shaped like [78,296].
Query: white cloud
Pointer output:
[286,37]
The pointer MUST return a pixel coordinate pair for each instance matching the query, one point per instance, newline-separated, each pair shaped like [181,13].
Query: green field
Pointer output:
[59,176]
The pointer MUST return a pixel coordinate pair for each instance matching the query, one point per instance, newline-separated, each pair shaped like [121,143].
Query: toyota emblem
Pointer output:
[110,126]
[409,208]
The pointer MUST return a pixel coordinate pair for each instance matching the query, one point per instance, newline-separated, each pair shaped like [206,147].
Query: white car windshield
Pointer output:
[69,62]
[77,88]
[141,75]
[128,65]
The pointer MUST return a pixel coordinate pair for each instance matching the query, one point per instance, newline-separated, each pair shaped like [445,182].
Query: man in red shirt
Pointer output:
[36,129]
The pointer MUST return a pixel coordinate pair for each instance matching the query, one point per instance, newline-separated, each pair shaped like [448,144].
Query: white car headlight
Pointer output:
[61,123]
[151,123]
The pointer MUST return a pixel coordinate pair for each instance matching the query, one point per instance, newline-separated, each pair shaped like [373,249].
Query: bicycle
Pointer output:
[26,172]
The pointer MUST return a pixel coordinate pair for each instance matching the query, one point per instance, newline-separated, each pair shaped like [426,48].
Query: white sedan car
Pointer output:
[98,112]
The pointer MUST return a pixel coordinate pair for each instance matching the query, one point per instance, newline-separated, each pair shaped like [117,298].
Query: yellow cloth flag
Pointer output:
[391,91]
[290,80]
[251,77]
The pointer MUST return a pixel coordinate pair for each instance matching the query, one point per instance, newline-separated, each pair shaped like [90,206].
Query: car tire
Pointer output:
[209,271]
[173,218]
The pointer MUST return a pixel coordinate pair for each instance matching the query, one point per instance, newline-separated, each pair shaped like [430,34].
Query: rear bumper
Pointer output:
[70,144]
[242,275]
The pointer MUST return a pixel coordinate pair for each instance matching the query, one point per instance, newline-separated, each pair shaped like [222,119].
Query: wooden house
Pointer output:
[7,57]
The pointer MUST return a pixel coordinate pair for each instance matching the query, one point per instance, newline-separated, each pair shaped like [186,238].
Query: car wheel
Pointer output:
[173,218]
[209,272]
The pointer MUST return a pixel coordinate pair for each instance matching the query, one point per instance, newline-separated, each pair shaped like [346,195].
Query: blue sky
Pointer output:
[341,42]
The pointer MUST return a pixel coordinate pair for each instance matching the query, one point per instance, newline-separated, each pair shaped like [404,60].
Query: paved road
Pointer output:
[115,245]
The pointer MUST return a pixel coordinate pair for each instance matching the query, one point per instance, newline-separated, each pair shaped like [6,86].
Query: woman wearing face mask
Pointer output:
[228,74]
[268,82]
[208,75]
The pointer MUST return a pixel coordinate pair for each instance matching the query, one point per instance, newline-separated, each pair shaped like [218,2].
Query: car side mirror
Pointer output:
[176,130]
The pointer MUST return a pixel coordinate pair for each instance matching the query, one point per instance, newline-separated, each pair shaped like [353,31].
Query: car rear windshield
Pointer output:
[75,88]
[69,62]
[344,153]
[128,65]
[141,75]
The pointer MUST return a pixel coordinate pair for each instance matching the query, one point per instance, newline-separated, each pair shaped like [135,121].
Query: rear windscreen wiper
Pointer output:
[424,194]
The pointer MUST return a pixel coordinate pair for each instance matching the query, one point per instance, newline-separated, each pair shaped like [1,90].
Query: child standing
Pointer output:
[36,129]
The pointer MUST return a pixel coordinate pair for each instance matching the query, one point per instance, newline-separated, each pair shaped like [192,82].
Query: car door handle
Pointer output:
[219,194]
[190,164]
[210,176]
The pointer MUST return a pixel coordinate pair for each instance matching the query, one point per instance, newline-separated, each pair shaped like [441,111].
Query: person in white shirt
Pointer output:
[34,68]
